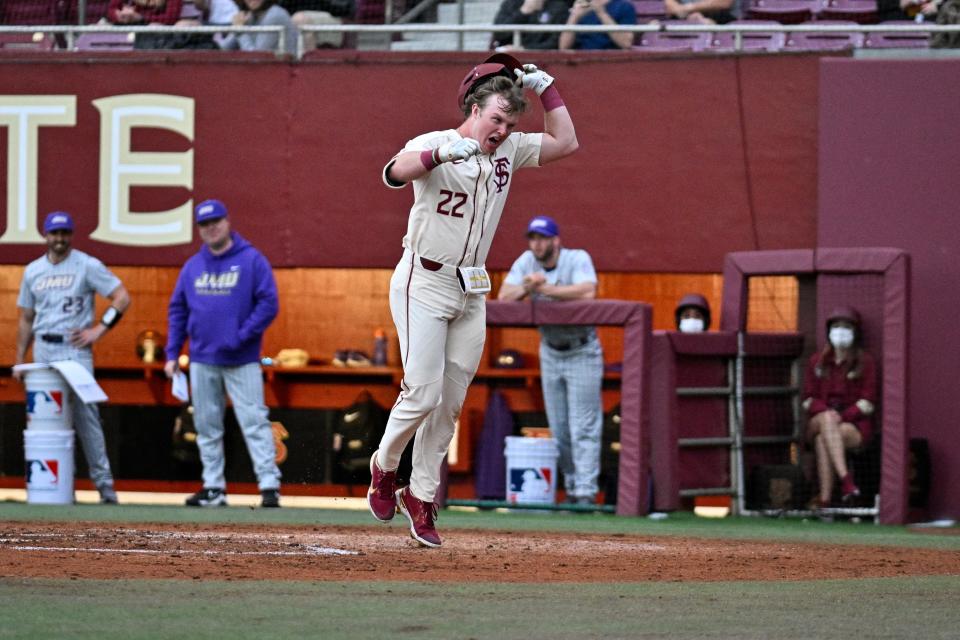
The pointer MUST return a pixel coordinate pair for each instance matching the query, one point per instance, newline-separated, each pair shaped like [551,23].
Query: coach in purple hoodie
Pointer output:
[224,300]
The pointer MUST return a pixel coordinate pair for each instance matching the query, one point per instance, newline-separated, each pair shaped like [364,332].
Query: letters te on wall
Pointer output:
[120,168]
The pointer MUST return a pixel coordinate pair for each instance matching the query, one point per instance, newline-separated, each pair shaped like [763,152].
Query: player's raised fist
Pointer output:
[458,150]
[534,79]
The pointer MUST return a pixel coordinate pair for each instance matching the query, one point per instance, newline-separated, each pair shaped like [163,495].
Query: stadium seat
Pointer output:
[750,40]
[38,41]
[784,11]
[69,11]
[664,41]
[859,11]
[825,40]
[104,42]
[897,39]
[28,12]
[648,10]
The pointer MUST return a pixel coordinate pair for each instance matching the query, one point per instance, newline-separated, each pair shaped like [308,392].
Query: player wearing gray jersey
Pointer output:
[56,305]
[571,359]
[460,178]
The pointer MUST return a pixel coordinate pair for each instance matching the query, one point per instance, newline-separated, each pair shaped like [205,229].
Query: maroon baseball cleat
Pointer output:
[380,496]
[849,489]
[421,516]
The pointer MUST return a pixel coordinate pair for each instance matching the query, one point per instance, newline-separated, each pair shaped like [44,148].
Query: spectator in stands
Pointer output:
[202,12]
[692,314]
[319,12]
[907,10]
[839,394]
[140,12]
[571,359]
[530,12]
[597,12]
[260,13]
[701,11]
[948,13]
[215,12]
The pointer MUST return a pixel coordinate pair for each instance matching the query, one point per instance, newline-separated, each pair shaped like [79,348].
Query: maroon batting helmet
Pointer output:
[851,315]
[499,64]
[696,301]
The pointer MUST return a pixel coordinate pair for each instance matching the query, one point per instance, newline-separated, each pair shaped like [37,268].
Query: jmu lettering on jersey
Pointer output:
[47,283]
[217,284]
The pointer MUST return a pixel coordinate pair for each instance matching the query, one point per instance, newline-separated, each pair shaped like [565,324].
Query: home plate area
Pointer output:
[250,552]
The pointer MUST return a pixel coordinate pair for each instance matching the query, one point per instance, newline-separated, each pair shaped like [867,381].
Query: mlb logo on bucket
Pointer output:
[44,404]
[42,474]
[531,484]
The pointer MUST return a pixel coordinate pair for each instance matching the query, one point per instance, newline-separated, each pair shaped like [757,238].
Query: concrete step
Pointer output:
[473,13]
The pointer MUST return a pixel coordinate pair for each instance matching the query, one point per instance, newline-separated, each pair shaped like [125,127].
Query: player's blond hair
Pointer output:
[502,86]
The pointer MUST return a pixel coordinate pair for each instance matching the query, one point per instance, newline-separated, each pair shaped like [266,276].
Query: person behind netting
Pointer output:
[319,12]
[141,12]
[692,314]
[530,12]
[599,12]
[214,13]
[260,13]
[701,11]
[839,394]
[206,13]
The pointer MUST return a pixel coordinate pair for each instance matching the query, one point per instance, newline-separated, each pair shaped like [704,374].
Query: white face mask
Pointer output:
[841,337]
[691,325]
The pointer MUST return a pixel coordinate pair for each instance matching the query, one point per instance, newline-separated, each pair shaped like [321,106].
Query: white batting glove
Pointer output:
[458,150]
[534,79]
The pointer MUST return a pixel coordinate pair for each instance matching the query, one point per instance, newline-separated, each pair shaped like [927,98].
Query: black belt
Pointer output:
[54,338]
[567,346]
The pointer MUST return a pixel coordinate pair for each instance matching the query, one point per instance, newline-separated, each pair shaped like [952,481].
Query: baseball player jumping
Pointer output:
[460,178]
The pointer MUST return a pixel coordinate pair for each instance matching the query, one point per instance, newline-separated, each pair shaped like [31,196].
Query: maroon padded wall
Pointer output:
[849,269]
[681,160]
[636,319]
[889,153]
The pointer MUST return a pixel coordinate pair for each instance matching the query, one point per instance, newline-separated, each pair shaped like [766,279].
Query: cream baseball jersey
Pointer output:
[62,294]
[457,206]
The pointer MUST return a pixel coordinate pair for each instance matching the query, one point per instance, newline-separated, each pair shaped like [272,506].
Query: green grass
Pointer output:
[879,608]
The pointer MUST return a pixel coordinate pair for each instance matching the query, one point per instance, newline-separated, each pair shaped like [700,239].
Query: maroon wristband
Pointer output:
[429,159]
[550,98]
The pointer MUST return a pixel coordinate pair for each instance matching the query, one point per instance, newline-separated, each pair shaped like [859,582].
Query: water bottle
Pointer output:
[379,348]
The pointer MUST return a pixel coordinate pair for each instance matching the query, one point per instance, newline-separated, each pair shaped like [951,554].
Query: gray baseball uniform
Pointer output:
[571,374]
[456,210]
[62,297]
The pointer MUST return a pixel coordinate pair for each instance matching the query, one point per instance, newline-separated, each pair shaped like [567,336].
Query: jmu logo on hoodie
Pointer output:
[217,284]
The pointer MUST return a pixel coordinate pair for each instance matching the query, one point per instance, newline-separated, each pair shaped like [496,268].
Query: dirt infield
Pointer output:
[237,552]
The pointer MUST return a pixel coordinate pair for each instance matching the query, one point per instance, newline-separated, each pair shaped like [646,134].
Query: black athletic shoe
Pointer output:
[270,498]
[208,498]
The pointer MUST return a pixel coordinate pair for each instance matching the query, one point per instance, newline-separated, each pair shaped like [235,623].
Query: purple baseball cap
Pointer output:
[58,221]
[210,210]
[543,225]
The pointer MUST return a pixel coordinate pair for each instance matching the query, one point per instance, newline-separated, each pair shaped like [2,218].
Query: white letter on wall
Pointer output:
[121,169]
[23,116]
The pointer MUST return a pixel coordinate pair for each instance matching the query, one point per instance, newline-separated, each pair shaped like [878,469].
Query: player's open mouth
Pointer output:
[493,142]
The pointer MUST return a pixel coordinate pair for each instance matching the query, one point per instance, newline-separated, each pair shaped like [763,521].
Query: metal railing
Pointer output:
[70,32]
[738,30]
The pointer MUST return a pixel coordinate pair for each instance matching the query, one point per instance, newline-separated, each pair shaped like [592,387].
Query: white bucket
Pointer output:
[48,466]
[48,400]
[531,470]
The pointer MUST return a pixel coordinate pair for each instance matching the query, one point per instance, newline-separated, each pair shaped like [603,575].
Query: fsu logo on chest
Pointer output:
[501,173]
